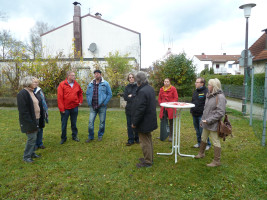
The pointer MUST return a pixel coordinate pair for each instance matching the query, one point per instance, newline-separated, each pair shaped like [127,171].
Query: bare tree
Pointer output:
[5,43]
[35,44]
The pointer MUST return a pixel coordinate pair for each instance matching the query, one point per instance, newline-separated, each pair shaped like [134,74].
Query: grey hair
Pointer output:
[69,72]
[141,78]
[27,81]
[216,84]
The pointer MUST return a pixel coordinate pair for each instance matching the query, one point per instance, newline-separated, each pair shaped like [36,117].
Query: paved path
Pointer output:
[236,104]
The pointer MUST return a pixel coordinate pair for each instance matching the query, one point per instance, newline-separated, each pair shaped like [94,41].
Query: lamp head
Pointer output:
[247,9]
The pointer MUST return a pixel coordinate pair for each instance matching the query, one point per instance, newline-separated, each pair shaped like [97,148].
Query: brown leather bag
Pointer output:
[224,127]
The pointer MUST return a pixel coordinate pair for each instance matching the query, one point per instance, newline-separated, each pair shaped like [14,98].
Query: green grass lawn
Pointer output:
[106,169]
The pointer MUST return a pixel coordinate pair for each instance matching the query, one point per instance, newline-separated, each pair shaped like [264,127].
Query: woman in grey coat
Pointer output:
[214,111]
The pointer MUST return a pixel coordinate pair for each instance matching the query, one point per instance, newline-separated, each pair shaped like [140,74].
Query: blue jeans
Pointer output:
[102,116]
[199,129]
[132,134]
[73,113]
[39,139]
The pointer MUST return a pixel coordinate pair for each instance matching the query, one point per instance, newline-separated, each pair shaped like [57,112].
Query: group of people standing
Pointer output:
[70,97]
[140,112]
[210,105]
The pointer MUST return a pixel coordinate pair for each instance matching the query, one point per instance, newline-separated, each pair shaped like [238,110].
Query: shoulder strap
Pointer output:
[216,100]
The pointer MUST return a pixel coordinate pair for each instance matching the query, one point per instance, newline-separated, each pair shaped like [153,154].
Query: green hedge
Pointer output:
[237,79]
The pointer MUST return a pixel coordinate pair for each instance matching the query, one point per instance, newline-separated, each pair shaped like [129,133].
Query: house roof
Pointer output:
[258,49]
[88,15]
[218,58]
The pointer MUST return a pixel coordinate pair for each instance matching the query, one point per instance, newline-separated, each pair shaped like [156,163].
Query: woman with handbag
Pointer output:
[214,111]
[167,93]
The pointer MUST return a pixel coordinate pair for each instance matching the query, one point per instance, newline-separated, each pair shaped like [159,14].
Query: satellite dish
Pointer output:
[92,47]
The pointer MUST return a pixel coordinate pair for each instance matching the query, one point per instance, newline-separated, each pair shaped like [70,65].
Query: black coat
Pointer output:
[129,89]
[198,98]
[27,117]
[144,115]
[42,112]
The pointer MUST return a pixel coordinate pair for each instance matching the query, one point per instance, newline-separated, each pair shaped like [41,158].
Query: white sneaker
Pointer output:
[196,146]
[207,147]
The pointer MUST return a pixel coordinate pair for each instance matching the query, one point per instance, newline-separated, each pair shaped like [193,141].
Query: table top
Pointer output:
[177,105]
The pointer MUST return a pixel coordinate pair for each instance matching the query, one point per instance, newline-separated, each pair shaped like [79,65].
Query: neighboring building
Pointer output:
[259,53]
[222,64]
[93,37]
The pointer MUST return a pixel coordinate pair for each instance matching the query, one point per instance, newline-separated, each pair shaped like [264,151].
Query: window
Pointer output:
[206,66]
[230,66]
[217,66]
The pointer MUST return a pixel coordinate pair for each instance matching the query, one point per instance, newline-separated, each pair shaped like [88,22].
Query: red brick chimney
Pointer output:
[77,31]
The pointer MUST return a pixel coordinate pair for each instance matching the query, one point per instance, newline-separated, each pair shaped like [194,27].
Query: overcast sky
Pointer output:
[192,26]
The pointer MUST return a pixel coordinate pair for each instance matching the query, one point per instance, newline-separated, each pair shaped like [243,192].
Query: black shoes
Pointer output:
[140,165]
[76,139]
[129,144]
[35,155]
[63,141]
[28,160]
[88,140]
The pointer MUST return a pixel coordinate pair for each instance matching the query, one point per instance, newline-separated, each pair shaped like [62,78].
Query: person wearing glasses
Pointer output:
[129,94]
[198,98]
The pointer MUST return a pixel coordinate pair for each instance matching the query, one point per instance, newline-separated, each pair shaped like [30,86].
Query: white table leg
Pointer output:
[176,136]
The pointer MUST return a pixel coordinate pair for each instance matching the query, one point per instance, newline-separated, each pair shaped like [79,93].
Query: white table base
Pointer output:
[176,143]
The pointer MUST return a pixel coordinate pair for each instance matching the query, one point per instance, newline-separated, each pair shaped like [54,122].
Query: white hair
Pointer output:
[27,81]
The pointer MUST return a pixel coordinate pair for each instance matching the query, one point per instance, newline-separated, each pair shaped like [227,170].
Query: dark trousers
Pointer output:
[147,146]
[132,133]
[39,139]
[73,113]
[30,145]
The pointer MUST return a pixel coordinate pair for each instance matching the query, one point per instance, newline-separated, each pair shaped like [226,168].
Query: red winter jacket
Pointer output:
[170,95]
[69,97]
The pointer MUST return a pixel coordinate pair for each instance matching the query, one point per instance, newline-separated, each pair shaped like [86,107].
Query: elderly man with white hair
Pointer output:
[144,118]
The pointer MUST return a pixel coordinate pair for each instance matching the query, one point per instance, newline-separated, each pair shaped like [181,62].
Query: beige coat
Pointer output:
[212,112]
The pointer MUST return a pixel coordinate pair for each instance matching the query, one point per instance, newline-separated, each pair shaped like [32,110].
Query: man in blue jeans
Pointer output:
[69,97]
[98,95]
[199,98]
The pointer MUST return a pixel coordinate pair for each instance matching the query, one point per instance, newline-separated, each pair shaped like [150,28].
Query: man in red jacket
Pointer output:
[69,97]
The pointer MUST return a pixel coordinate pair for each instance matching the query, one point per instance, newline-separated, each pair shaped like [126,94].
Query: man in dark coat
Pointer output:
[144,118]
[198,98]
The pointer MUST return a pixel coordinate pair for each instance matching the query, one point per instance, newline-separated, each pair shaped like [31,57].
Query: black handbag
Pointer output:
[164,126]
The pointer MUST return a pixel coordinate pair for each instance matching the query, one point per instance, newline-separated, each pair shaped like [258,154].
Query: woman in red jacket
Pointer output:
[168,93]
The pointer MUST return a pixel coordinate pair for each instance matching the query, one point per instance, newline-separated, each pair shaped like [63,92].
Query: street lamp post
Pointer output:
[247,11]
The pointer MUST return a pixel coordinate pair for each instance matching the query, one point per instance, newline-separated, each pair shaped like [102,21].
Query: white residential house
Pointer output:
[93,37]
[222,64]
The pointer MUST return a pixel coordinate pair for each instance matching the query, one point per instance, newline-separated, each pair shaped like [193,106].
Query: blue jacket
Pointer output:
[104,93]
